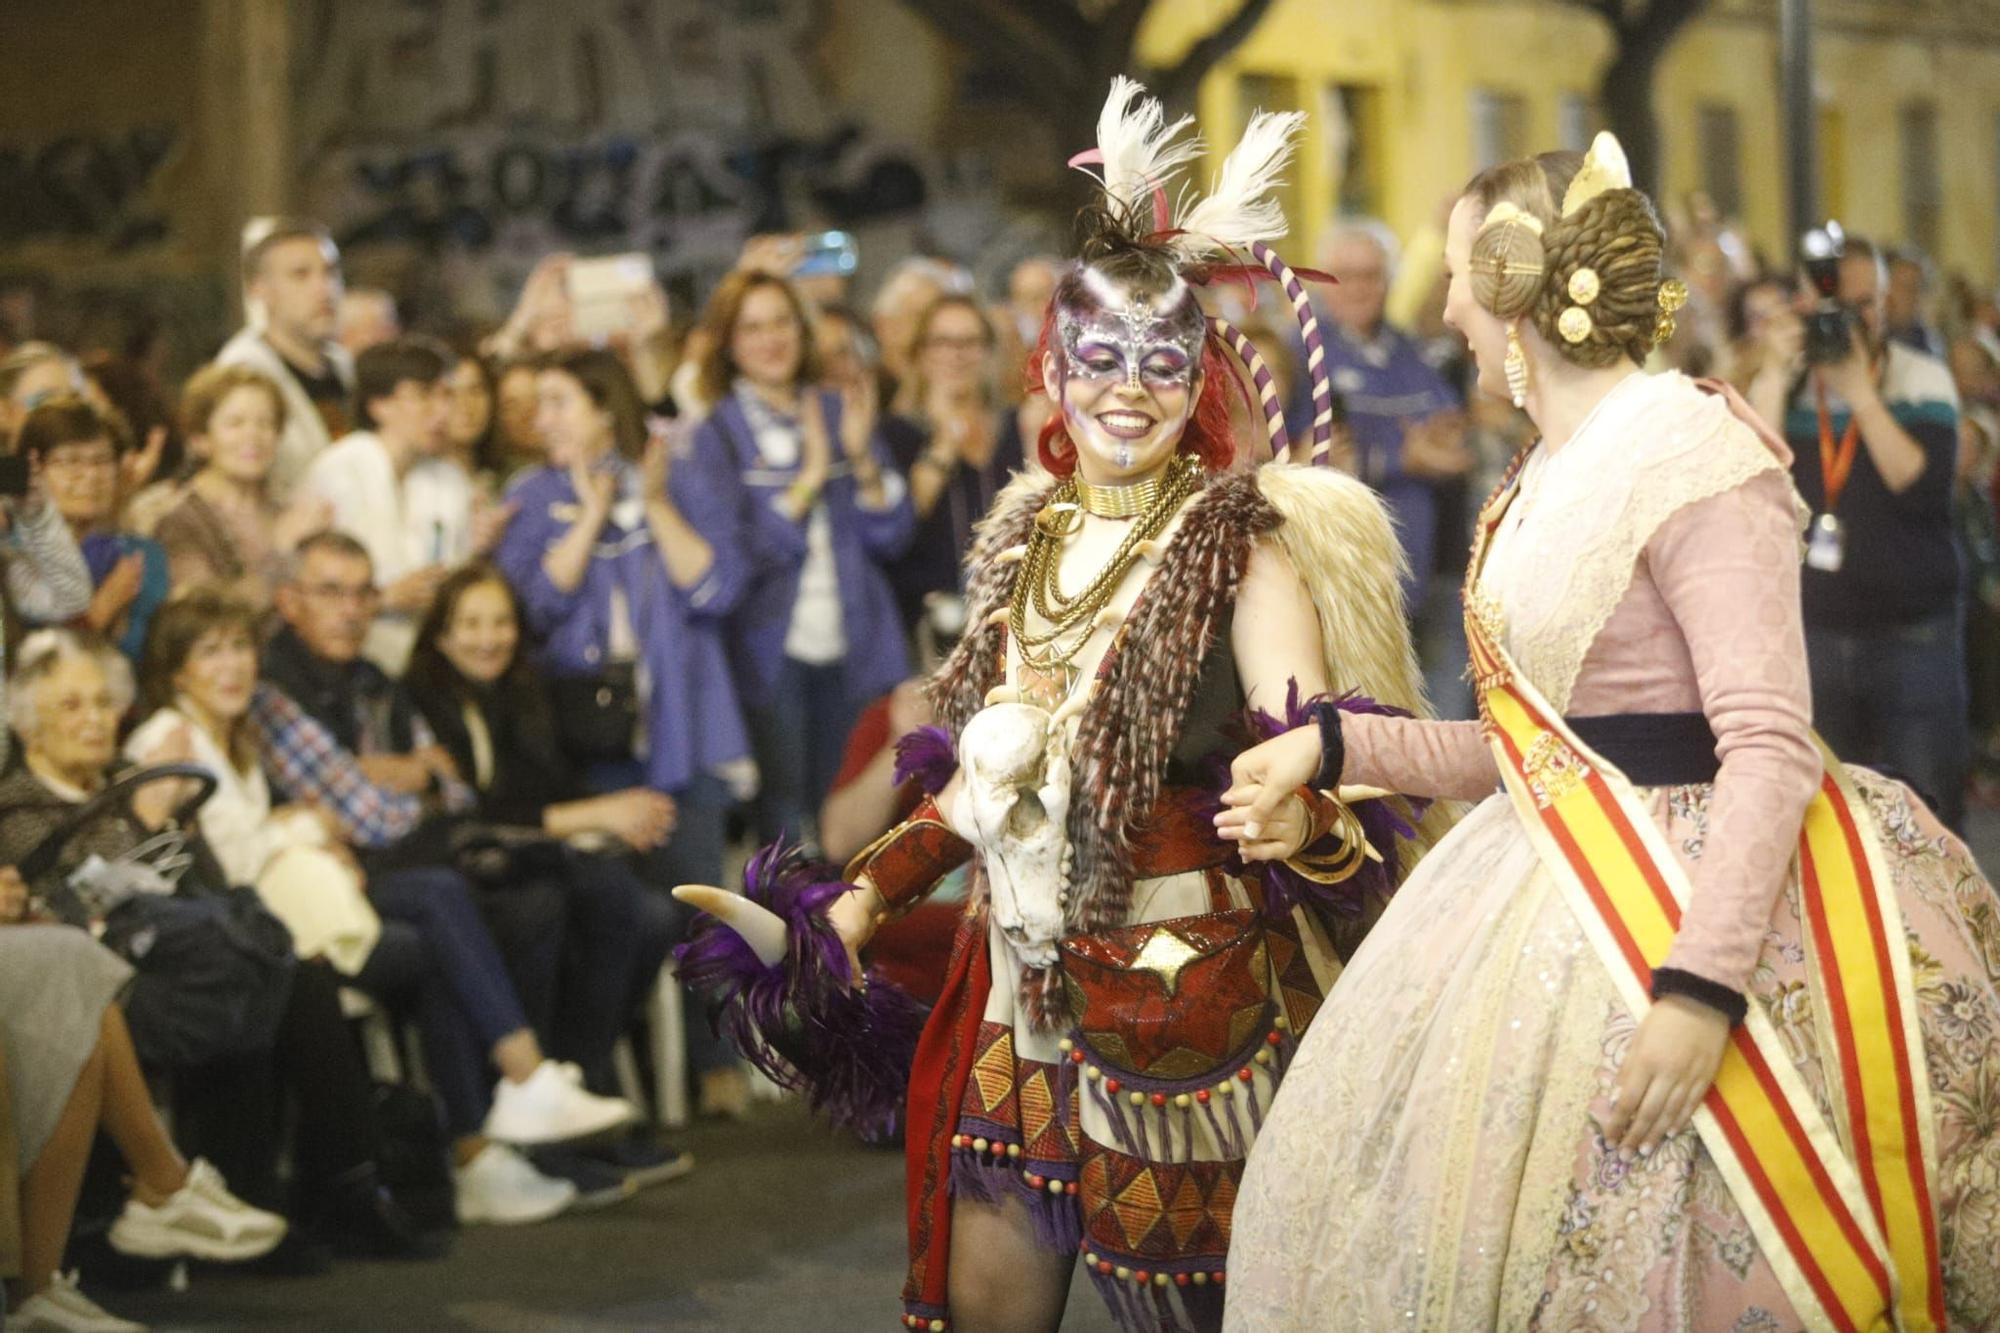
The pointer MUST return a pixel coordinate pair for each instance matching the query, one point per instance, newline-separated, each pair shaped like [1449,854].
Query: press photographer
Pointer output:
[1873,426]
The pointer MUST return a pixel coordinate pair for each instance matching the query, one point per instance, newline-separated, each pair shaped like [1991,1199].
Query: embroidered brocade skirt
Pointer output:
[1436,1160]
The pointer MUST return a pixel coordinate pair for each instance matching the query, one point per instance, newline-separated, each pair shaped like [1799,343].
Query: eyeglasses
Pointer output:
[58,460]
[359,594]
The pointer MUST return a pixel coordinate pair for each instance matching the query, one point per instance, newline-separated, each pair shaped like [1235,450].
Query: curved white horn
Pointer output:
[761,928]
[1352,792]
[1003,694]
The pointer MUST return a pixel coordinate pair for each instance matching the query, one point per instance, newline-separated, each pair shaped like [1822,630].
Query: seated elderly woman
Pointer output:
[71,1071]
[69,690]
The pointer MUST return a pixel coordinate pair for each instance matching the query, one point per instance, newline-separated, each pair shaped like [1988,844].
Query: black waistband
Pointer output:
[1653,749]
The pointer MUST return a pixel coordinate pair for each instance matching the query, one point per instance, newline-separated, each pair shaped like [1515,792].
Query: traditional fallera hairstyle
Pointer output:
[1586,271]
[1149,244]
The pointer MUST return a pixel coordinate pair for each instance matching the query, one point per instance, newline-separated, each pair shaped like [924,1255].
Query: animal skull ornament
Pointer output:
[1013,806]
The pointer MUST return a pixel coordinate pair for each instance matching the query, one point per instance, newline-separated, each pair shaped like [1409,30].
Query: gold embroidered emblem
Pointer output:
[1554,770]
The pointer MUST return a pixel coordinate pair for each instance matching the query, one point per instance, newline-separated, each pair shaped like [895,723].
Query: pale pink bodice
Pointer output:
[1710,621]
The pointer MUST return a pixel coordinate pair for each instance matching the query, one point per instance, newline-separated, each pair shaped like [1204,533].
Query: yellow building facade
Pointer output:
[1407,98]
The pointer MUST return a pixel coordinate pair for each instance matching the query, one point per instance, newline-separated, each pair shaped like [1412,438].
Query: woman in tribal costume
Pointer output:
[1123,992]
[1689,1027]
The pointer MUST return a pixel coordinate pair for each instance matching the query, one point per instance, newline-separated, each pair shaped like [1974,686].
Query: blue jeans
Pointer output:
[617,937]
[692,856]
[436,949]
[800,735]
[1895,698]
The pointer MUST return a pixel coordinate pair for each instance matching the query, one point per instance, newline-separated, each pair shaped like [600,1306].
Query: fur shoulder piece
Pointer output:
[1340,538]
[959,688]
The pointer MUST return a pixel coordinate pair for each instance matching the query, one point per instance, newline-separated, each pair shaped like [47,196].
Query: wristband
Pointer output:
[1332,745]
[1731,1004]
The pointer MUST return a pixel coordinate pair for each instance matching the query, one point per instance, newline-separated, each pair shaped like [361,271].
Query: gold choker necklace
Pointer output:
[1126,501]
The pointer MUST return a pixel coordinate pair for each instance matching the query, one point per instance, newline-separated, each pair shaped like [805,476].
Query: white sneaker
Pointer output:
[63,1308]
[201,1220]
[550,1108]
[503,1187]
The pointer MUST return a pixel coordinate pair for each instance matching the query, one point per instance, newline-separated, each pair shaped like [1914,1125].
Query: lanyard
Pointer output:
[1836,463]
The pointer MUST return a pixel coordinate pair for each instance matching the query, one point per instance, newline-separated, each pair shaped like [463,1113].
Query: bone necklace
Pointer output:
[1039,585]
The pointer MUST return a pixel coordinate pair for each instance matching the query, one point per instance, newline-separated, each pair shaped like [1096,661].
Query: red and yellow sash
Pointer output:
[1845,1213]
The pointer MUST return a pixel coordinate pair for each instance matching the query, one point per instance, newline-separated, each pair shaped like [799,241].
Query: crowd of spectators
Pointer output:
[395,675]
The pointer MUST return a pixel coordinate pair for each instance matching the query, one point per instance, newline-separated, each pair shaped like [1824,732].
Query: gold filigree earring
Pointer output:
[1516,366]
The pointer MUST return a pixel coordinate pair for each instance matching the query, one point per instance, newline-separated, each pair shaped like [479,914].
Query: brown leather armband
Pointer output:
[906,863]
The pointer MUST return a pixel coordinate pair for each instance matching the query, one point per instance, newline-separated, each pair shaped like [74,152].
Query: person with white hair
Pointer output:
[249,1035]
[1408,429]
[912,287]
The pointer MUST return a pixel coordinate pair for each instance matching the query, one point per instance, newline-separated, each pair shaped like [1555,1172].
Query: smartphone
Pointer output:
[601,292]
[13,476]
[828,253]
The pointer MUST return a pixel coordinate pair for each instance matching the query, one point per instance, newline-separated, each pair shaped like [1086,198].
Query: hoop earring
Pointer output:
[1516,366]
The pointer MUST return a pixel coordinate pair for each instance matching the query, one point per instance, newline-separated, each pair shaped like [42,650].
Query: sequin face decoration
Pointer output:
[1129,370]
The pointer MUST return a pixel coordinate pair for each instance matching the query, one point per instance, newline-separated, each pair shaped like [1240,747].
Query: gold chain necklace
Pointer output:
[1038,583]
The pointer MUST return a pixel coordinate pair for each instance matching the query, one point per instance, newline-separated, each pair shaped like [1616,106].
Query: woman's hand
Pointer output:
[595,493]
[13,897]
[640,817]
[114,596]
[655,467]
[859,406]
[138,468]
[155,802]
[1668,1069]
[1261,779]
[853,918]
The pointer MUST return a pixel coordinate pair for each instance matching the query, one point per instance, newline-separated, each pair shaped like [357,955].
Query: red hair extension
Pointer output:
[1207,437]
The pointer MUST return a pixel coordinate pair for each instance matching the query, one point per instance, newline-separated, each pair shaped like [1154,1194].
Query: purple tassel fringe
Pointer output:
[801,1022]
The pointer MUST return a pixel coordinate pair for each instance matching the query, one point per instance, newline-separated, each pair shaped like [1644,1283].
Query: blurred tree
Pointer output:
[1060,54]
[1642,31]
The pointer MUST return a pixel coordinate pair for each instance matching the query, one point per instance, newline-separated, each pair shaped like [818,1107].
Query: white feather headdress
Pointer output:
[1138,153]
[1141,157]
[1241,208]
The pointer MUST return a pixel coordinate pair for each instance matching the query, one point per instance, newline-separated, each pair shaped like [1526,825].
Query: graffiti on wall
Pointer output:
[493,131]
[95,187]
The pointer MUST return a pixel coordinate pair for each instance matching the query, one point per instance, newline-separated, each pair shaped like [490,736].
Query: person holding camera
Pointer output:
[1873,426]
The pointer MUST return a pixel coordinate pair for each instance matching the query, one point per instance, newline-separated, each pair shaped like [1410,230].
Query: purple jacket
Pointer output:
[864,540]
[693,722]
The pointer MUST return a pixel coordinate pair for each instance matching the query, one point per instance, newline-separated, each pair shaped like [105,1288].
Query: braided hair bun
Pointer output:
[1526,257]
[1618,237]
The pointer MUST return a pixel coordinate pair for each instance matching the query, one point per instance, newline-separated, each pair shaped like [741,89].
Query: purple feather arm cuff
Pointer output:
[801,1021]
[928,756]
[1382,821]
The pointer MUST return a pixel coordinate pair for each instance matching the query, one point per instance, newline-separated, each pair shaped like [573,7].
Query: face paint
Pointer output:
[1130,368]
[1129,338]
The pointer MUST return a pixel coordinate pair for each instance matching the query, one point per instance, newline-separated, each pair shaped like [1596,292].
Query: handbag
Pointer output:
[213,973]
[597,716]
[497,855]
